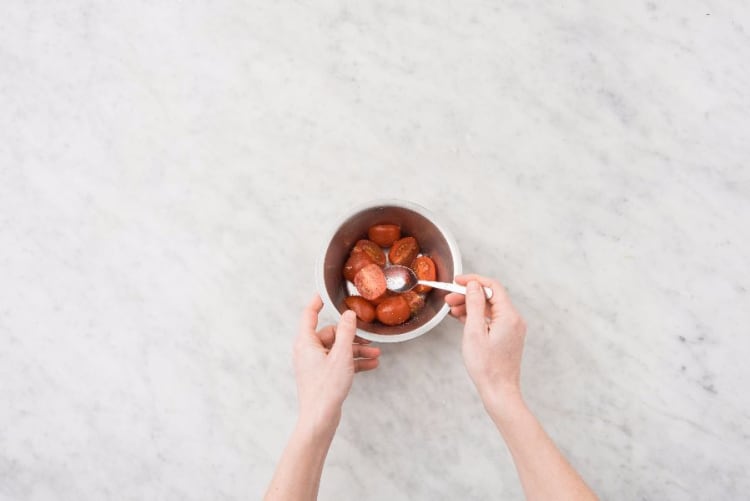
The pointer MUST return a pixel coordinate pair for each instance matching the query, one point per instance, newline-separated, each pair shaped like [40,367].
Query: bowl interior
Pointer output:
[432,242]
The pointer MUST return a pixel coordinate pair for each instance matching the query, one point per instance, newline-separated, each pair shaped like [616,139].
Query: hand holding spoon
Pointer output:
[402,279]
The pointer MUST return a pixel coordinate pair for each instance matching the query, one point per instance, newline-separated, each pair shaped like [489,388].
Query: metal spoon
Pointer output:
[402,279]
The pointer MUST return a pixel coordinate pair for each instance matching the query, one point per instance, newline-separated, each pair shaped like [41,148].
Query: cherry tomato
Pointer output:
[424,267]
[356,262]
[370,281]
[382,298]
[362,307]
[372,250]
[384,234]
[393,311]
[404,251]
[414,300]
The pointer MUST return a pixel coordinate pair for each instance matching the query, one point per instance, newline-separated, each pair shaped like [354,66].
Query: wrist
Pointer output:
[318,427]
[502,401]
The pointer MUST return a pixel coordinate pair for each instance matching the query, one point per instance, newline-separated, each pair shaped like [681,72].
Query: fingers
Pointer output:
[464,279]
[475,307]
[365,357]
[359,351]
[457,302]
[327,334]
[365,364]
[459,312]
[499,297]
[497,304]
[455,299]
[309,320]
[345,332]
[498,291]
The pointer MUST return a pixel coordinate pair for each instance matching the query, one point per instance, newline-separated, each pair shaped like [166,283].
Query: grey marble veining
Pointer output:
[168,172]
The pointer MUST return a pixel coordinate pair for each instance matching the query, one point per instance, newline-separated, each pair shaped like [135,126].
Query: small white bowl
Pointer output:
[434,240]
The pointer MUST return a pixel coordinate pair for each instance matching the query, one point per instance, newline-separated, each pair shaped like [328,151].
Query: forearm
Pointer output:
[544,472]
[297,476]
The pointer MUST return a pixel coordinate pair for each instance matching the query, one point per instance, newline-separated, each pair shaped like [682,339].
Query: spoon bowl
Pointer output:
[402,279]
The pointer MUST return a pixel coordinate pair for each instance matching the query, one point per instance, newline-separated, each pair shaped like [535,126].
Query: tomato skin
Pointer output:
[393,311]
[370,281]
[424,267]
[383,297]
[404,251]
[414,300]
[364,267]
[384,234]
[356,262]
[362,307]
[372,250]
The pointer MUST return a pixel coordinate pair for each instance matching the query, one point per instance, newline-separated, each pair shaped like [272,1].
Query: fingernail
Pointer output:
[349,316]
[473,286]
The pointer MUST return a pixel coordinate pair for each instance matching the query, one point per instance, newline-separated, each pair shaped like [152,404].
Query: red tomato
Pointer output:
[424,267]
[414,300]
[393,311]
[372,250]
[404,251]
[370,281]
[356,262]
[362,307]
[382,298]
[384,234]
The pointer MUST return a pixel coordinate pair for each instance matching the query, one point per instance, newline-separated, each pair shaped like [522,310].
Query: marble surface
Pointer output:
[168,171]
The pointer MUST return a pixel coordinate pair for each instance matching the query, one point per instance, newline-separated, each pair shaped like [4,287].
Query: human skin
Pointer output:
[325,362]
[492,347]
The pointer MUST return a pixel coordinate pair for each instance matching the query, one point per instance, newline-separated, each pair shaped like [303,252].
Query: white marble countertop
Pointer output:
[168,172]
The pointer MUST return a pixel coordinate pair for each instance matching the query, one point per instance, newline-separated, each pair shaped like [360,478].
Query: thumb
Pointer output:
[345,332]
[475,306]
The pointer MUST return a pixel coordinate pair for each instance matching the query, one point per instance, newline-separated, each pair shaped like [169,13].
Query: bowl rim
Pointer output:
[392,202]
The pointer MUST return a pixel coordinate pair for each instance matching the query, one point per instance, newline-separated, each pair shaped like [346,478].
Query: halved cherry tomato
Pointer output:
[384,234]
[424,267]
[370,281]
[371,249]
[356,262]
[362,307]
[393,311]
[382,298]
[414,300]
[404,251]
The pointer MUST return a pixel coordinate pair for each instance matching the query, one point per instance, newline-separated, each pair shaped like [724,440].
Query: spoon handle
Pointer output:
[453,287]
